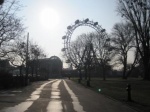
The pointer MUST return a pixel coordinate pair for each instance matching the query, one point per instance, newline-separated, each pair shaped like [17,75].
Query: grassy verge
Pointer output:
[116,89]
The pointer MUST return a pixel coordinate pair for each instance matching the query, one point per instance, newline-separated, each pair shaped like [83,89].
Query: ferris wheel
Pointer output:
[71,29]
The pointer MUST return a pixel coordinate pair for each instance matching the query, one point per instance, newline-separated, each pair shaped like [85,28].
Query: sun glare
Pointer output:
[49,18]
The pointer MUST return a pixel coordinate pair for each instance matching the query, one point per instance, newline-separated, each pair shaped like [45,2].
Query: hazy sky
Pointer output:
[48,30]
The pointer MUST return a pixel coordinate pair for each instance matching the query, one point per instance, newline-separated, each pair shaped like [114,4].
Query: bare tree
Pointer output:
[88,51]
[137,12]
[122,41]
[102,51]
[77,49]
[18,57]
[10,26]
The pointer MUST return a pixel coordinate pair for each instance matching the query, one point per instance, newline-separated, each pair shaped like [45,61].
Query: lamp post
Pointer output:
[27,59]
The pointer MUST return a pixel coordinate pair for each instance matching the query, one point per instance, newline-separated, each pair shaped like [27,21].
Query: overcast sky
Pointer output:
[47,29]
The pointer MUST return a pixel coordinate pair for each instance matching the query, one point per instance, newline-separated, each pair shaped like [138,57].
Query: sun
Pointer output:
[49,18]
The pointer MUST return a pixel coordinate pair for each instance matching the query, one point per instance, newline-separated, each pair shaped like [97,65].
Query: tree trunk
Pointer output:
[21,76]
[124,68]
[80,74]
[85,72]
[36,72]
[146,70]
[32,71]
[89,73]
[104,73]
[20,70]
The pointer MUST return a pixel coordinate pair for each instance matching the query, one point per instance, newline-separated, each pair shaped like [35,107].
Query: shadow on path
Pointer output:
[41,103]
[66,99]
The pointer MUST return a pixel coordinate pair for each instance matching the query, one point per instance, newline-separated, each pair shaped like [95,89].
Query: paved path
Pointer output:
[58,96]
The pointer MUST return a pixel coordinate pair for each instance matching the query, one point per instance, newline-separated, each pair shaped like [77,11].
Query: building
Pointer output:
[47,67]
[55,67]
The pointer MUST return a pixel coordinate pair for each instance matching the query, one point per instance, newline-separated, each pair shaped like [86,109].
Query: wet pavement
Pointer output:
[59,95]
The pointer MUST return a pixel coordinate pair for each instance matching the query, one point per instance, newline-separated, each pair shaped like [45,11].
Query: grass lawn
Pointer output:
[116,89]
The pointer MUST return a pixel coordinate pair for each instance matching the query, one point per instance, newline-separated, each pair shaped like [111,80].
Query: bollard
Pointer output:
[129,92]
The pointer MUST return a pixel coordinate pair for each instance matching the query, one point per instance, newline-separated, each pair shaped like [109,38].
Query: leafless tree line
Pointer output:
[133,34]
[137,13]
[97,51]
[13,39]
[90,52]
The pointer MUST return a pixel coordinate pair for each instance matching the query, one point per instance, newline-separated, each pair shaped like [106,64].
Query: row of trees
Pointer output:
[14,46]
[123,41]
[90,51]
[137,13]
[93,52]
